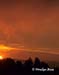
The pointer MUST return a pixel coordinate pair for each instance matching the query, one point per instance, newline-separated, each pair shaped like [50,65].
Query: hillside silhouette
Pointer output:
[11,67]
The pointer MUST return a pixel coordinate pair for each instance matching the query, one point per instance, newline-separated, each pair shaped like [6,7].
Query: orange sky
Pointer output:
[30,24]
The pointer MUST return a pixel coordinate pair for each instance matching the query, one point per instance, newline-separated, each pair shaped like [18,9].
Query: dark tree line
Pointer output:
[11,67]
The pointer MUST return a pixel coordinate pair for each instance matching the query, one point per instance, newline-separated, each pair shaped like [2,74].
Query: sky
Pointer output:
[31,26]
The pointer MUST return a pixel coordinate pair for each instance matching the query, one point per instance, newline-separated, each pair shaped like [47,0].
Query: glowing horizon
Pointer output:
[6,48]
[1,57]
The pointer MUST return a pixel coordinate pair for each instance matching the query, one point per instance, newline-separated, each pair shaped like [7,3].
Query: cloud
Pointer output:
[31,23]
[30,26]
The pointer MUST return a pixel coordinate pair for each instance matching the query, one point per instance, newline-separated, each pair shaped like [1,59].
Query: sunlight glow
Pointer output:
[6,48]
[1,57]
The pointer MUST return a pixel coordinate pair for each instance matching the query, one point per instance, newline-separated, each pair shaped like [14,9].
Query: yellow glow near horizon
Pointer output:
[6,48]
[1,57]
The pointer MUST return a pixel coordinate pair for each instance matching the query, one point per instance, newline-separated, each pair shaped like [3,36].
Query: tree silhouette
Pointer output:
[11,67]
[37,63]
[28,65]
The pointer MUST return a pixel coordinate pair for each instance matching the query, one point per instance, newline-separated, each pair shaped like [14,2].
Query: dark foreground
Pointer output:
[11,67]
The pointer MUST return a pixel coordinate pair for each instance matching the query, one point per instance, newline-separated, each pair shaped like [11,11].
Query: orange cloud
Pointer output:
[30,24]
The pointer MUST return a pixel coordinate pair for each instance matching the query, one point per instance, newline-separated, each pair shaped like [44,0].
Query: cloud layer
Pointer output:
[31,23]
